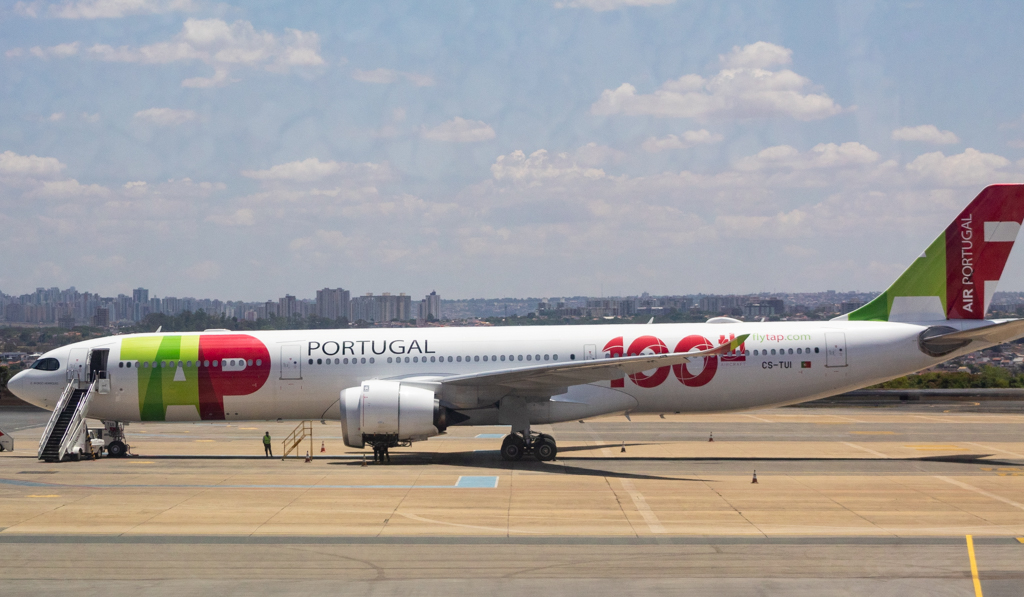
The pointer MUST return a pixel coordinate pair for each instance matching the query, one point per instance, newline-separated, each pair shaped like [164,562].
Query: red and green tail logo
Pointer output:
[957,275]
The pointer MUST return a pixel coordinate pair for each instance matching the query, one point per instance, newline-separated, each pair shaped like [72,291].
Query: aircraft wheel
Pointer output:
[512,448]
[116,449]
[544,448]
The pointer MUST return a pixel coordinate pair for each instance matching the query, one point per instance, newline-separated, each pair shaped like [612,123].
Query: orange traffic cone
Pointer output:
[308,457]
[322,448]
[711,437]
[623,446]
[755,478]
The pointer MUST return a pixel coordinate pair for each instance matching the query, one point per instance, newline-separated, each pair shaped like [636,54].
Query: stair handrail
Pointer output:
[296,437]
[79,421]
[61,403]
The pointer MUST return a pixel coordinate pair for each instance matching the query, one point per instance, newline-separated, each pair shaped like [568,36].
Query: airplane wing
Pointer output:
[561,375]
[944,343]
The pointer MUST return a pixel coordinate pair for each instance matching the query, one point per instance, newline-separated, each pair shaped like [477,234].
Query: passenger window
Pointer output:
[120,365]
[477,358]
[799,351]
[502,357]
[389,359]
[520,357]
[790,351]
[773,351]
[310,362]
[318,362]
[528,357]
[547,357]
[494,357]
[371,360]
[815,350]
[416,359]
[129,364]
[485,358]
[343,362]
[459,359]
[449,359]
[362,361]
[554,357]
[536,357]
[431,359]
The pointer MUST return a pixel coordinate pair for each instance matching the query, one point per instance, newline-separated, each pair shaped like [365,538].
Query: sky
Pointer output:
[485,149]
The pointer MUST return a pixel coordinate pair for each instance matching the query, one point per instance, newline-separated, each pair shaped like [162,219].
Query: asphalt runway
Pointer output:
[868,500]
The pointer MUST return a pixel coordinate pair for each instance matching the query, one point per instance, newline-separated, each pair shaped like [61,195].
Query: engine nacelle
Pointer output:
[388,412]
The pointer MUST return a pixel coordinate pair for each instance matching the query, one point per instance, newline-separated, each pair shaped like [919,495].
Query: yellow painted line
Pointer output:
[43,496]
[248,428]
[873,432]
[974,566]
[1020,539]
[205,440]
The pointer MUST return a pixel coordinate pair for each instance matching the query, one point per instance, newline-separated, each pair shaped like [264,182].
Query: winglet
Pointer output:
[730,346]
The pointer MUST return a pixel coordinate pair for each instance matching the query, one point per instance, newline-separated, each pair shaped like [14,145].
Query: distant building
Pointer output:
[102,318]
[848,306]
[380,308]
[332,303]
[430,306]
[288,306]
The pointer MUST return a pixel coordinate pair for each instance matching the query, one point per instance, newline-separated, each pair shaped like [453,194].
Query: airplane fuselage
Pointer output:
[267,375]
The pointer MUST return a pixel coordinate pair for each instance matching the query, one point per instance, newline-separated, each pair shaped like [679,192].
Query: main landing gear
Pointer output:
[518,444]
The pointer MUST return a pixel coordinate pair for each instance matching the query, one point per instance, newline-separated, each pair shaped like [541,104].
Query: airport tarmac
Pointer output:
[849,501]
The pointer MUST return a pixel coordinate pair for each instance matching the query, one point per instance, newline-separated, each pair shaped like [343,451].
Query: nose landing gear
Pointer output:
[518,444]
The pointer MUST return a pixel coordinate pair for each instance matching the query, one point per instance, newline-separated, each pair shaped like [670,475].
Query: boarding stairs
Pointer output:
[67,424]
[300,434]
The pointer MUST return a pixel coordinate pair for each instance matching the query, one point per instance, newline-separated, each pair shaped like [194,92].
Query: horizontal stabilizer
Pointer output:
[942,340]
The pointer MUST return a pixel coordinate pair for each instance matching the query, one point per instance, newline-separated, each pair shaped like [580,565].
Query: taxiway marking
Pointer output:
[981,491]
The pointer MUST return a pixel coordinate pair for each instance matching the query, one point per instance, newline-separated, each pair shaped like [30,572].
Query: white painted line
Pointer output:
[983,446]
[982,492]
[641,506]
[638,498]
[868,450]
[466,526]
[759,419]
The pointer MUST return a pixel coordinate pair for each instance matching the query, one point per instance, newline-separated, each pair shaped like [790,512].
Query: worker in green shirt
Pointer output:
[266,446]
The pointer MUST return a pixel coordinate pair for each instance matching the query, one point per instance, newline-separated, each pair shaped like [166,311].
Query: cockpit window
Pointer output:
[46,365]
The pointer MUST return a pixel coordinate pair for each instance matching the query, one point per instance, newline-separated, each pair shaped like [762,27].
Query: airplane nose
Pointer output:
[16,385]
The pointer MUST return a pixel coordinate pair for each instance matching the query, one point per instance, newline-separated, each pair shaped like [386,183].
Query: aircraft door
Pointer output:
[78,364]
[835,349]
[291,361]
[590,352]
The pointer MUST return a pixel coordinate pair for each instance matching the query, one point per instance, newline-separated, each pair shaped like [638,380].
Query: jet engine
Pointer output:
[388,412]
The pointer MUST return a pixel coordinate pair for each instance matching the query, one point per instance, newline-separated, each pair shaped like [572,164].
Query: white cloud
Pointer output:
[312,169]
[57,51]
[100,9]
[219,79]
[67,189]
[90,117]
[240,217]
[822,155]
[539,165]
[460,130]
[685,141]
[165,116]
[970,168]
[29,166]
[56,116]
[756,55]
[595,155]
[603,5]
[384,76]
[224,47]
[927,133]
[741,92]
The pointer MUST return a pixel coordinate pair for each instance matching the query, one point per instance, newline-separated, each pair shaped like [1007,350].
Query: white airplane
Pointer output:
[390,387]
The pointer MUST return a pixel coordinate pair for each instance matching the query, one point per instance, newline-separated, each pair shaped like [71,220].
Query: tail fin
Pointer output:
[957,274]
